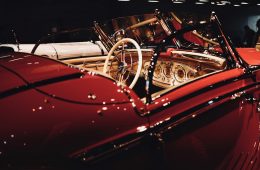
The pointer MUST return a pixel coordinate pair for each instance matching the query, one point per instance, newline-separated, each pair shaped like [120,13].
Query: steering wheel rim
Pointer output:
[140,60]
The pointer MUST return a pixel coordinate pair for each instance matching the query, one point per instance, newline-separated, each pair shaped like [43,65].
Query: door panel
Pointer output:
[222,137]
[216,129]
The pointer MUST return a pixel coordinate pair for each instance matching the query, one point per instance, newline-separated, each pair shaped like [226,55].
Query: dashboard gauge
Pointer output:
[163,78]
[157,71]
[179,73]
[191,75]
[146,66]
[167,71]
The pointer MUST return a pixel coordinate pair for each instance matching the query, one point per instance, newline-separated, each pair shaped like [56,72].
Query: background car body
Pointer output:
[61,51]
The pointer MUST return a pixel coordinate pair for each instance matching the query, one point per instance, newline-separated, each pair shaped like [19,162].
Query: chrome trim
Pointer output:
[258,106]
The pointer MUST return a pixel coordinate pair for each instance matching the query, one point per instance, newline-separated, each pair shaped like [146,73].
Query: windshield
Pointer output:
[149,30]
[144,29]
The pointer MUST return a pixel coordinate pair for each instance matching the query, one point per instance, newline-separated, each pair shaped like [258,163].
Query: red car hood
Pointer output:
[21,71]
[34,69]
[250,55]
[53,108]
[9,80]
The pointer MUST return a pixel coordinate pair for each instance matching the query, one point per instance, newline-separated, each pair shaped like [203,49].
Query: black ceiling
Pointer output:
[33,18]
[101,2]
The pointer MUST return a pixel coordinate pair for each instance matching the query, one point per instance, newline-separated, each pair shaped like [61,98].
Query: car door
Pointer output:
[210,123]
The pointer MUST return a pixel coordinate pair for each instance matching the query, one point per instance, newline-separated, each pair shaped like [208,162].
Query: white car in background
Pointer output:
[62,50]
[62,45]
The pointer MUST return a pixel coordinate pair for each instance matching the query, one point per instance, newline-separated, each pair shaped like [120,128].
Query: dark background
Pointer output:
[33,19]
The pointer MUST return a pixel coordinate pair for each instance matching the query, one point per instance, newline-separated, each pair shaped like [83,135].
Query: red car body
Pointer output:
[52,113]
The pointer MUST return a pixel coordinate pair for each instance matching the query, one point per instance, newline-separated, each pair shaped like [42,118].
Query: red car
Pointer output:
[167,96]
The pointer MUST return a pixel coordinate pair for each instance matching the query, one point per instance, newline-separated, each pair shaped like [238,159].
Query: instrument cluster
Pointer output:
[171,73]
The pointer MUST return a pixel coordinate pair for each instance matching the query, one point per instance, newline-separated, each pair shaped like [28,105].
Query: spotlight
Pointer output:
[199,3]
[178,1]
[153,1]
[244,3]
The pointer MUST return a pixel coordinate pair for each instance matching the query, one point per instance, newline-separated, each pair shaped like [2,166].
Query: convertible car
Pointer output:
[168,95]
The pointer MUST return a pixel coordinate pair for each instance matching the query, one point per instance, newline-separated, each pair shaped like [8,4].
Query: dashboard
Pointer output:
[170,73]
[182,66]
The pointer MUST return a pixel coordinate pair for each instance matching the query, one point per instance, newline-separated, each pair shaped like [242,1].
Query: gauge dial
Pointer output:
[191,75]
[167,71]
[179,73]
[157,71]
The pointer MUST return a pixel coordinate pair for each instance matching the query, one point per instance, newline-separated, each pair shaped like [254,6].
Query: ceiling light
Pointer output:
[220,4]
[258,4]
[123,0]
[178,1]
[199,3]
[153,1]
[225,2]
[236,5]
[244,3]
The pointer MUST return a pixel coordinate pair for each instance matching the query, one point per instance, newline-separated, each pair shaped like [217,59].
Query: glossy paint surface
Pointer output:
[34,69]
[250,55]
[211,123]
[214,123]
[80,111]
[9,80]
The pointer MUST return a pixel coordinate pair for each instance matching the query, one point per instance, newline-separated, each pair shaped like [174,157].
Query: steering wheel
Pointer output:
[121,64]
